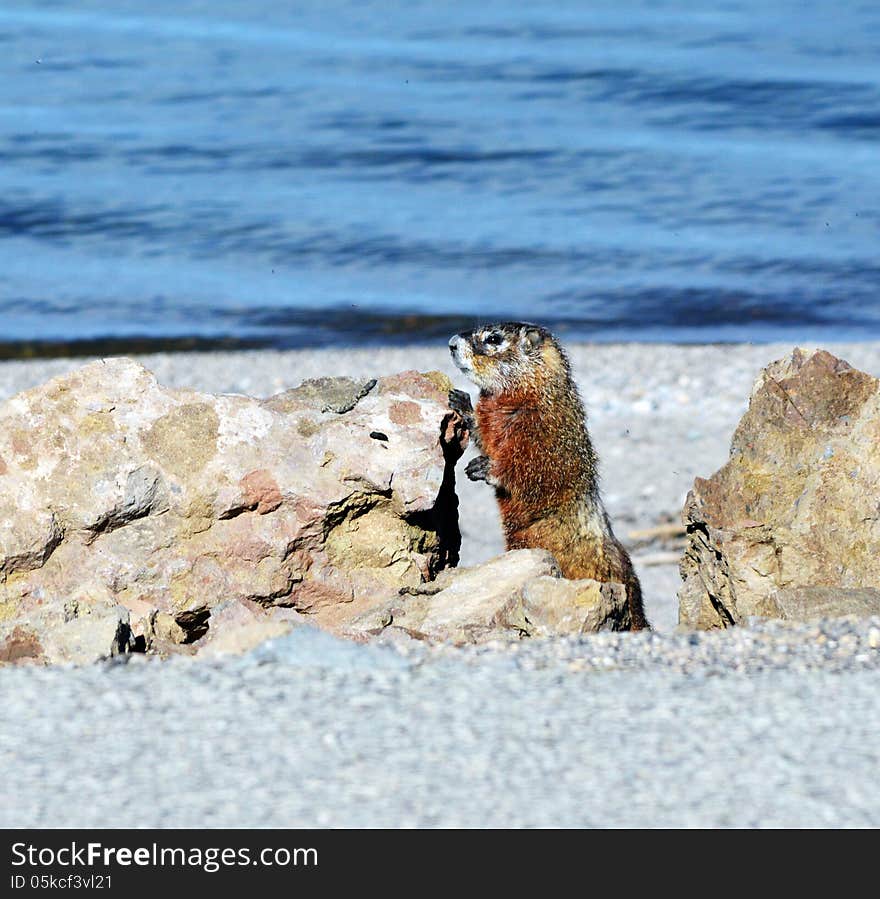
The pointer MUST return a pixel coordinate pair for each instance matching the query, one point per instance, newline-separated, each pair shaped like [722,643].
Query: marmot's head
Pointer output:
[508,355]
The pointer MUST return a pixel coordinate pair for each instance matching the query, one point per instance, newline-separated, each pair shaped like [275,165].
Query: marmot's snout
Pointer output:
[498,357]
[461,350]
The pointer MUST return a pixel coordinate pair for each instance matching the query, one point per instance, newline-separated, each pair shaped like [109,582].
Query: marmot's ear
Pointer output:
[534,336]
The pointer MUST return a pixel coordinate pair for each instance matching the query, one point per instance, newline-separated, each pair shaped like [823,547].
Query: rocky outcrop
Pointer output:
[165,513]
[790,526]
[515,595]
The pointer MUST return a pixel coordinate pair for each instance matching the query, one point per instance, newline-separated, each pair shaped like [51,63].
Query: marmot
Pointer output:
[531,427]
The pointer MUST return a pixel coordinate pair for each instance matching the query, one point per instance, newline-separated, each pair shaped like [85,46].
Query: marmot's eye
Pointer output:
[493,340]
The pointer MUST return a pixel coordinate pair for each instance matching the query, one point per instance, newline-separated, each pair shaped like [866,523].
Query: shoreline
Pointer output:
[411,332]
[659,415]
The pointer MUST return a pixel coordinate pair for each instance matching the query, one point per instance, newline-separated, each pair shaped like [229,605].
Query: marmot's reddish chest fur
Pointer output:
[531,428]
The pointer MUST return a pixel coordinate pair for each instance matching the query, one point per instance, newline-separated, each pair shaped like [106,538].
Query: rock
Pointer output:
[796,507]
[172,503]
[518,594]
[556,606]
[88,627]
[238,626]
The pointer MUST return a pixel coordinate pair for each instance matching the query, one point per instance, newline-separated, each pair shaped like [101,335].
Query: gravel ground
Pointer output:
[767,725]
[758,727]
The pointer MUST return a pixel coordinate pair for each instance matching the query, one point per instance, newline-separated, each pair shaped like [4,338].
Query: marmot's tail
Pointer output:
[634,600]
[638,621]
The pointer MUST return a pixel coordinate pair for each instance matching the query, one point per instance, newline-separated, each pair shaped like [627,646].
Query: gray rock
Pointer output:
[339,395]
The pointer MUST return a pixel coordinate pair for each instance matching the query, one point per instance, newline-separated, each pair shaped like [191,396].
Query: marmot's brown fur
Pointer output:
[531,428]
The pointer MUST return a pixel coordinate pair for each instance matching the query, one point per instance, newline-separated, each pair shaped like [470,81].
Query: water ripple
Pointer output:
[249,172]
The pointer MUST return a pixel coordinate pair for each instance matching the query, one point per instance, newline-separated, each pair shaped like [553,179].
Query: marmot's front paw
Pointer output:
[478,469]
[460,402]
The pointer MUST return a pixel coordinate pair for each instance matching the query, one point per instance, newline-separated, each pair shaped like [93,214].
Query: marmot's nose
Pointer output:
[454,342]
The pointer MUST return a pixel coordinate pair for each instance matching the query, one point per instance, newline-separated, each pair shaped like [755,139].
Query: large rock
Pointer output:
[515,595]
[168,503]
[796,507]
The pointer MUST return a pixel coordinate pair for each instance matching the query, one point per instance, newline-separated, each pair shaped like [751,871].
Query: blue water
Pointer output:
[352,172]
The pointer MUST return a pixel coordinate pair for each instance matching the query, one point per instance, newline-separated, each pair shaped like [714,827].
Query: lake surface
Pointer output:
[363,172]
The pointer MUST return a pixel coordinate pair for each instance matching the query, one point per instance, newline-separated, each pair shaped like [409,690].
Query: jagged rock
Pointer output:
[796,507]
[518,594]
[319,499]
